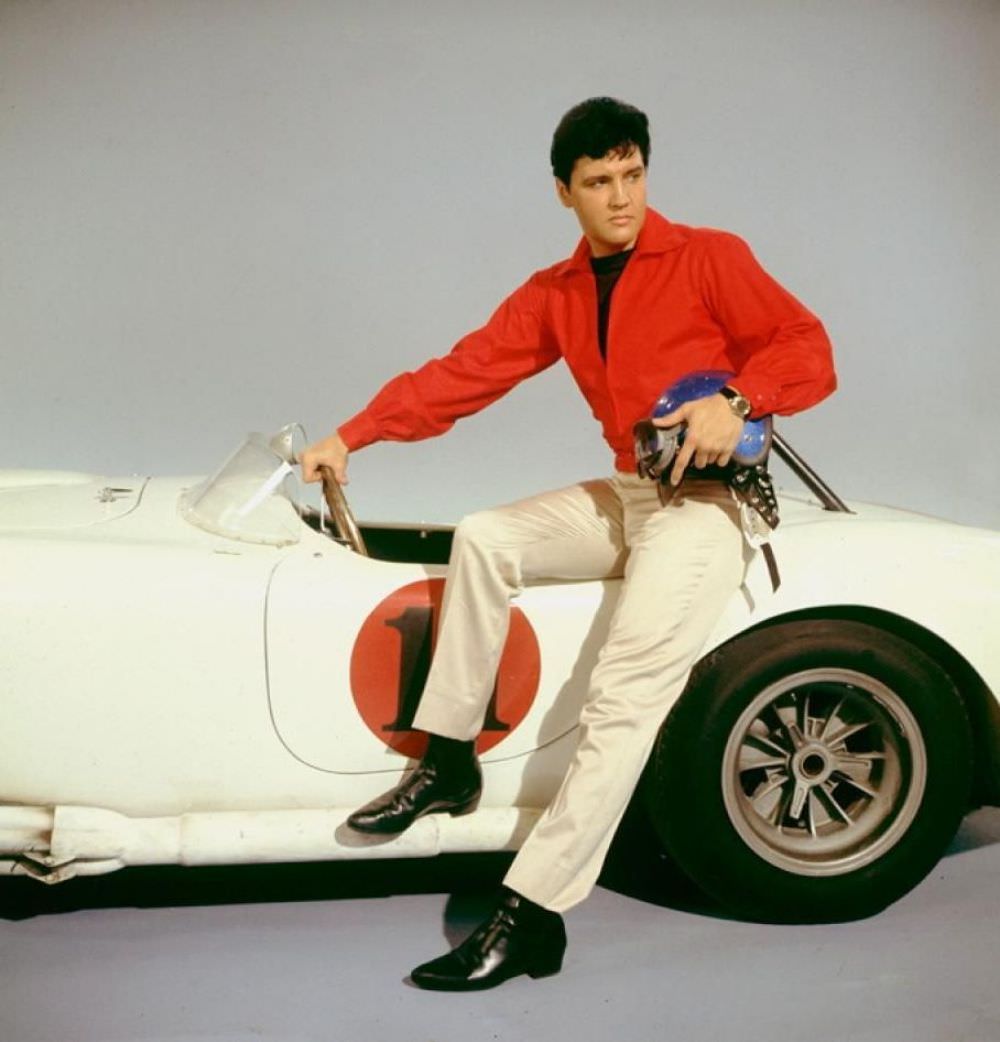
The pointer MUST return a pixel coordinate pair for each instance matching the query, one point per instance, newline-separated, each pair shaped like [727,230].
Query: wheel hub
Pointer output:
[812,764]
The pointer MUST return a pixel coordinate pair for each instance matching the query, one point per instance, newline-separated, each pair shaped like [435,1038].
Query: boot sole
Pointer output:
[455,810]
[546,969]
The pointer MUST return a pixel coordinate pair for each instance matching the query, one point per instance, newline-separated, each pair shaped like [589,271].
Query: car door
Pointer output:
[350,641]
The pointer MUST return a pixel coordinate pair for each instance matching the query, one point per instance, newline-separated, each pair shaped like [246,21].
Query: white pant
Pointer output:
[681,562]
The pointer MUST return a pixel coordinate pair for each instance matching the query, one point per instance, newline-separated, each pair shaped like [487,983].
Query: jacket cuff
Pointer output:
[359,431]
[757,392]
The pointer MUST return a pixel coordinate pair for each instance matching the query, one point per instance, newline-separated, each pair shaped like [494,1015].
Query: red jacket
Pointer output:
[689,299]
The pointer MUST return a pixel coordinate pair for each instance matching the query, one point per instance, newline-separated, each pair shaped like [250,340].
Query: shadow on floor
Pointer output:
[166,886]
[981,828]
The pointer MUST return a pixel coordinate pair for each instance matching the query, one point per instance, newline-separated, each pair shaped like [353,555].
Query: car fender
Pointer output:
[944,578]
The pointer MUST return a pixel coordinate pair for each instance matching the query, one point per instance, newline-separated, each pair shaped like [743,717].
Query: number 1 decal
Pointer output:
[392,657]
[416,627]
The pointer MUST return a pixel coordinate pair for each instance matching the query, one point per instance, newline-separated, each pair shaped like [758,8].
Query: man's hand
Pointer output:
[332,451]
[713,432]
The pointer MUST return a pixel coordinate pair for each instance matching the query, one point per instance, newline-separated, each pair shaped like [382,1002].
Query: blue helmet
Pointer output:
[656,446]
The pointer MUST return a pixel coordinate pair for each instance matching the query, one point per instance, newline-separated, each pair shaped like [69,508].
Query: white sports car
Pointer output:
[205,673]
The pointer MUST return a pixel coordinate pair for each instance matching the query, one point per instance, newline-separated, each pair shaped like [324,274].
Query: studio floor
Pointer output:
[317,953]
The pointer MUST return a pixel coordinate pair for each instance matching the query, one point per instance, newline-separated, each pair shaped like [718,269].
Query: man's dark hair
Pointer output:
[594,128]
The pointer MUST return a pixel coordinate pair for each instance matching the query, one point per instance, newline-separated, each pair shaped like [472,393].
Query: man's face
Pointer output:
[609,198]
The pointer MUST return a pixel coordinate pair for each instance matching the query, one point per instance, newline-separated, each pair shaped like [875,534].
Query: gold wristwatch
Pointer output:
[737,402]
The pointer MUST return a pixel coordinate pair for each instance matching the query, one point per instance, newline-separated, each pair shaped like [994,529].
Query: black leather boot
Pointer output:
[519,937]
[447,779]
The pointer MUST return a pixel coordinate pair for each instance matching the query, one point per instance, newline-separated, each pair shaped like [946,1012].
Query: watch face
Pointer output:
[740,405]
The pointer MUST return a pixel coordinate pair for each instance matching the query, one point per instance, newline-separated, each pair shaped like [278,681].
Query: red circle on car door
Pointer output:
[392,656]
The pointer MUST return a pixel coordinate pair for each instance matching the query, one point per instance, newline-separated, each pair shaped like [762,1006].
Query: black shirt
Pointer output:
[607,271]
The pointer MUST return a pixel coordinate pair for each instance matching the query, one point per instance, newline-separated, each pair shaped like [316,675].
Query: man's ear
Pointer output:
[562,193]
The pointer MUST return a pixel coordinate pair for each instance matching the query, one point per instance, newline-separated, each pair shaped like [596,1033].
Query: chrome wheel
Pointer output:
[823,771]
[814,770]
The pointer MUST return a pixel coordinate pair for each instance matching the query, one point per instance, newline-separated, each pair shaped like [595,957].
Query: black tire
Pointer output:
[811,827]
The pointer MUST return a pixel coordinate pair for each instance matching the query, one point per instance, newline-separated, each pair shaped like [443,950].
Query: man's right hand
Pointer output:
[330,451]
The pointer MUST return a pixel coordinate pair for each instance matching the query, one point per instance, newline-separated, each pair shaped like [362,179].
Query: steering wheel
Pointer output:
[333,493]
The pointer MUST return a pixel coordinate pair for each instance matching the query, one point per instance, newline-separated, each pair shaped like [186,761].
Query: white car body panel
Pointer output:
[338,589]
[173,695]
[944,577]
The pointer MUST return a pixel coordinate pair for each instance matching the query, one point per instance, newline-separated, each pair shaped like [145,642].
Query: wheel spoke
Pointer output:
[754,760]
[761,746]
[856,771]
[820,814]
[865,759]
[782,725]
[777,818]
[802,714]
[769,743]
[771,785]
[824,794]
[828,722]
[768,801]
[841,736]
[849,779]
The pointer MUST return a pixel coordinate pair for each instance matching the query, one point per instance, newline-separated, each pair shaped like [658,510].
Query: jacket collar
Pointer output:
[658,235]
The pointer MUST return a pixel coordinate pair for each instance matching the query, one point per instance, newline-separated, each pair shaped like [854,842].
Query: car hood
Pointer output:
[58,500]
[67,505]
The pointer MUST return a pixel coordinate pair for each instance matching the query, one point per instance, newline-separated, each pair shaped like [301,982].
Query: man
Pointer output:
[641,303]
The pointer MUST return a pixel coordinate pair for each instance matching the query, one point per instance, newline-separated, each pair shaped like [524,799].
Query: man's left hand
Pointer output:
[713,432]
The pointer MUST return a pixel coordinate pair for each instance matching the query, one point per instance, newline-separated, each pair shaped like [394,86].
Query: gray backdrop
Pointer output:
[221,216]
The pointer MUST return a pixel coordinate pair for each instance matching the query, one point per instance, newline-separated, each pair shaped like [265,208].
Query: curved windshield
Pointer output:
[254,495]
